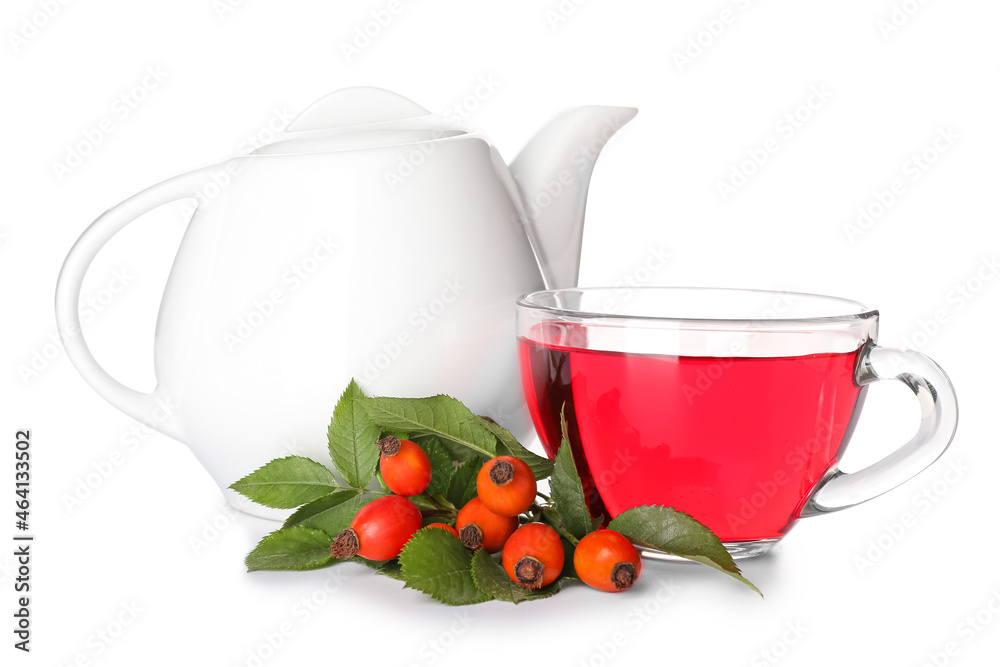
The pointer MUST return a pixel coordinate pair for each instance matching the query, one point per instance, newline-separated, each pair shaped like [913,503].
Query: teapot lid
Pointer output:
[360,117]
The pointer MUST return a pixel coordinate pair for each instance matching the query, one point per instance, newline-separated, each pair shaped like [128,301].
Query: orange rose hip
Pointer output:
[506,485]
[478,527]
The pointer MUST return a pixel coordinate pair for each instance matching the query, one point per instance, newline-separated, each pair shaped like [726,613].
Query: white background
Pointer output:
[855,586]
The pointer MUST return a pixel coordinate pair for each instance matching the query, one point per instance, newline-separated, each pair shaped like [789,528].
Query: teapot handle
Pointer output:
[153,408]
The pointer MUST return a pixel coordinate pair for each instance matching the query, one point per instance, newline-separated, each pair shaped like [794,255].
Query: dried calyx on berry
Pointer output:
[501,473]
[345,545]
[471,536]
[529,572]
[389,445]
[533,556]
[479,528]
[624,575]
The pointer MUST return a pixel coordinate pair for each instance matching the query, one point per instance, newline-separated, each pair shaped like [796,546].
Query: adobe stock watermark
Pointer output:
[292,280]
[269,643]
[796,460]
[704,37]
[374,26]
[899,15]
[418,322]
[923,502]
[212,528]
[121,108]
[223,8]
[786,128]
[102,470]
[31,25]
[776,652]
[563,11]
[222,176]
[966,631]
[579,161]
[290,447]
[657,259]
[226,516]
[8,570]
[434,649]
[707,376]
[101,640]
[91,307]
[277,122]
[911,171]
[218,180]
[634,622]
[457,115]
[955,301]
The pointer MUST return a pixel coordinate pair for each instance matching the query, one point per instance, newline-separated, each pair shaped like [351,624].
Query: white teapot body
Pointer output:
[325,259]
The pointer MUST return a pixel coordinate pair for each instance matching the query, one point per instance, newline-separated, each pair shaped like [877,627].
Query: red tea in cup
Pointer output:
[737,420]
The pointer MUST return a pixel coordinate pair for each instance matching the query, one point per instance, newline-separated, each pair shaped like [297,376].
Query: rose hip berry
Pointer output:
[533,556]
[506,485]
[443,526]
[405,467]
[478,527]
[379,530]
[607,561]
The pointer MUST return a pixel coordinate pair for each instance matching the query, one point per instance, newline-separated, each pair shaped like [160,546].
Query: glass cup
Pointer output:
[732,405]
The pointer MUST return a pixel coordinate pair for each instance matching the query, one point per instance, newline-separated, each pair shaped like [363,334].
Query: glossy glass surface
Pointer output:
[731,405]
[735,442]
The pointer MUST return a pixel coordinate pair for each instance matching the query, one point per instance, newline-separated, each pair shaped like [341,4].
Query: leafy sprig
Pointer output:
[457,443]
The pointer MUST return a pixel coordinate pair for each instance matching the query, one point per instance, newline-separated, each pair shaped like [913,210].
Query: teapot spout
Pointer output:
[553,175]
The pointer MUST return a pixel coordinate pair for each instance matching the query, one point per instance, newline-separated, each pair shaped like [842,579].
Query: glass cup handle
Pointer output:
[938,420]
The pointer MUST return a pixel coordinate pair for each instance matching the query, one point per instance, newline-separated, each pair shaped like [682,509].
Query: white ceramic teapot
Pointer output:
[371,240]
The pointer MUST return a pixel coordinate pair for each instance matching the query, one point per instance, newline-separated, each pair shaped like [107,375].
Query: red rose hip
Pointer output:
[379,530]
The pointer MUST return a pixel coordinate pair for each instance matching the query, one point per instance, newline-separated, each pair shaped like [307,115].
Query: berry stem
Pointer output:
[378,476]
[442,501]
[553,520]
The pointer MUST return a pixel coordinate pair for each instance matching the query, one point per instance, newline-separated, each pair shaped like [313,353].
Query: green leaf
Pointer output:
[508,445]
[442,469]
[332,520]
[325,503]
[424,504]
[371,564]
[296,548]
[492,580]
[391,569]
[567,493]
[460,453]
[287,483]
[441,416]
[352,436]
[463,484]
[676,533]
[436,563]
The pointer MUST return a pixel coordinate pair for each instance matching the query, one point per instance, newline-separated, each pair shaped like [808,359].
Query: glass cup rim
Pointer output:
[853,311]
